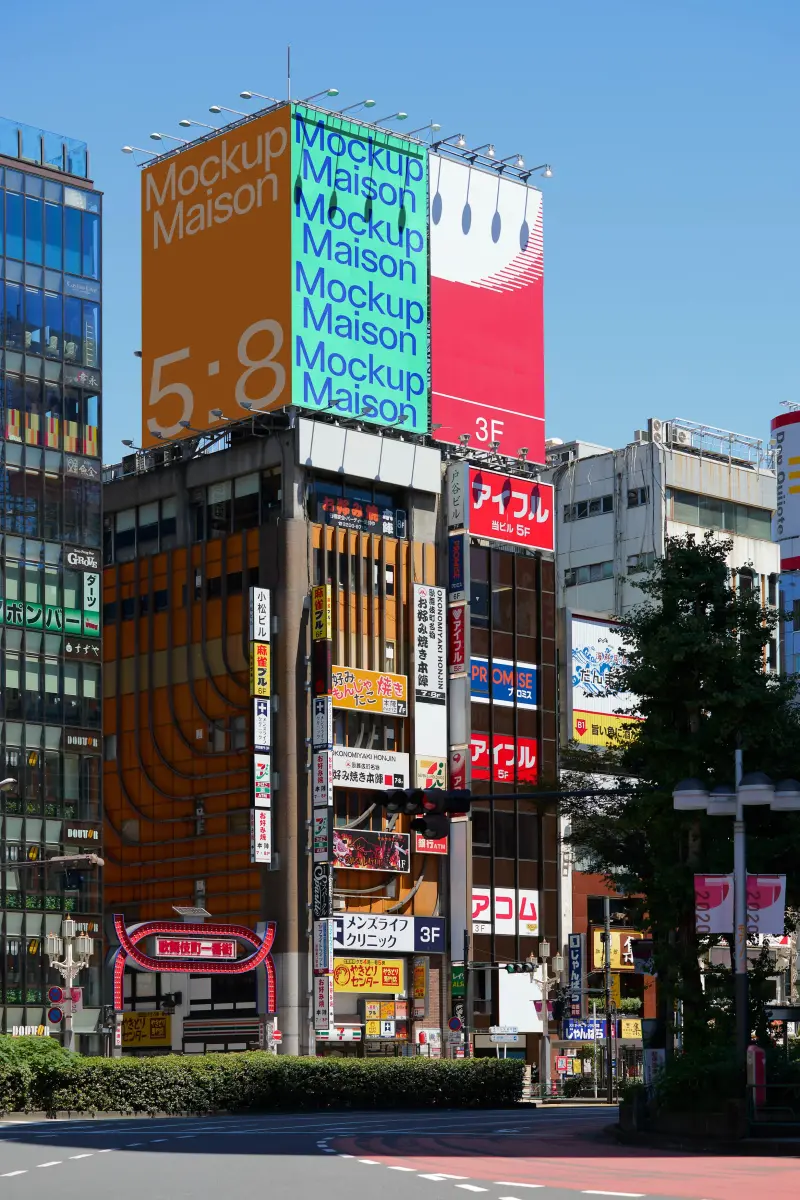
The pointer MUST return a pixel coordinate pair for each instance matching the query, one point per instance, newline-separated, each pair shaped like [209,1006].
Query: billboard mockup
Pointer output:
[360,271]
[487,325]
[596,652]
[216,264]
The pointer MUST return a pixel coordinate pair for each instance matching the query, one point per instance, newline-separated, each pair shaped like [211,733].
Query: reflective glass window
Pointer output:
[13,225]
[72,420]
[53,236]
[34,320]
[52,325]
[72,330]
[91,436]
[14,408]
[91,245]
[15,328]
[33,412]
[73,258]
[33,230]
[91,334]
[52,507]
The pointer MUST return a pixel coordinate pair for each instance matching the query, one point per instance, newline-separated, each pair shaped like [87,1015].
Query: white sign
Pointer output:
[517,997]
[322,835]
[322,778]
[375,770]
[323,1002]
[322,723]
[504,1038]
[260,835]
[430,659]
[513,911]
[76,999]
[30,1031]
[456,495]
[323,947]
[503,1029]
[340,1033]
[262,726]
[259,614]
[262,781]
[381,933]
[194,947]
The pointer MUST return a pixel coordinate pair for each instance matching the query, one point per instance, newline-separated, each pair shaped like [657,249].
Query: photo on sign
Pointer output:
[370,850]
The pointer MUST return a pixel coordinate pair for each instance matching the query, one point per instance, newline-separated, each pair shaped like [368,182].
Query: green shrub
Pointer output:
[30,1049]
[259,1082]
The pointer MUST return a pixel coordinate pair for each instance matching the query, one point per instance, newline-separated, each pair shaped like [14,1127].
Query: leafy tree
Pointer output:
[696,655]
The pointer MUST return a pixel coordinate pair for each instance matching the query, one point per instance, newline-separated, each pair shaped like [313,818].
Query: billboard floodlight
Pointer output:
[316,96]
[159,137]
[360,104]
[259,96]
[398,116]
[458,140]
[185,122]
[434,127]
[138,149]
[220,108]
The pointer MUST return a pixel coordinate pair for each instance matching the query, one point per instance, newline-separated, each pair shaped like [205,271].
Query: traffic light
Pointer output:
[521,968]
[402,800]
[433,805]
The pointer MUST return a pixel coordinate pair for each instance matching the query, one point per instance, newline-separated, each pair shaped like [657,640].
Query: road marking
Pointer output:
[109,1149]
[372,1162]
[159,1140]
[411,1169]
[505,1183]
[180,1138]
[595,1192]
[8,1174]
[327,1150]
[55,1163]
[72,1156]
[346,1156]
[438,1178]
[470,1187]
[129,1144]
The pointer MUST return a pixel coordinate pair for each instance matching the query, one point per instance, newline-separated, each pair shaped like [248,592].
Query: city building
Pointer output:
[51,393]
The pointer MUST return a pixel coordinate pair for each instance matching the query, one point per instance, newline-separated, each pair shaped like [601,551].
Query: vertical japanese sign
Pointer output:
[575,966]
[259,614]
[259,669]
[322,778]
[430,676]
[321,612]
[323,1002]
[260,835]
[262,781]
[322,835]
[262,726]
[91,604]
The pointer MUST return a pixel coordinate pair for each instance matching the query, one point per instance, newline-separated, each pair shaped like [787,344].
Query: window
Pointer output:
[772,660]
[505,834]
[218,509]
[772,590]
[713,512]
[245,501]
[641,562]
[591,573]
[160,600]
[588,508]
[638,496]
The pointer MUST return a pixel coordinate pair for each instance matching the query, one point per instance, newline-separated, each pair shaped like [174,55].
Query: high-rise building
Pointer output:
[50,511]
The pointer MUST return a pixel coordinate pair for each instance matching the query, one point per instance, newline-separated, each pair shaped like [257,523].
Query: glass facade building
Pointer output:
[50,561]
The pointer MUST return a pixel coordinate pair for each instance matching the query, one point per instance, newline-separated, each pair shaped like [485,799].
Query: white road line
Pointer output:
[371,1162]
[470,1187]
[346,1156]
[411,1169]
[439,1178]
[159,1140]
[73,1156]
[129,1144]
[327,1150]
[55,1163]
[596,1192]
[109,1149]
[182,1136]
[8,1174]
[505,1183]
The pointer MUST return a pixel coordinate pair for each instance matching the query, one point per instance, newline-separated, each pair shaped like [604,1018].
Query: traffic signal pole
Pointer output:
[607,985]
[468,997]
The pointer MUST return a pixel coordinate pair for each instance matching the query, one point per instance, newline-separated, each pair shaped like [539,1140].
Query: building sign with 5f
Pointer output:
[505,508]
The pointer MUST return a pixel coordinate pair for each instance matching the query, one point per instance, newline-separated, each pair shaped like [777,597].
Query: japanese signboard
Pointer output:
[321,723]
[262,781]
[508,680]
[259,614]
[597,653]
[504,758]
[621,949]
[323,1001]
[575,968]
[321,891]
[459,773]
[383,933]
[367,976]
[347,513]
[322,778]
[589,1030]
[91,604]
[321,832]
[82,559]
[630,1027]
[260,835]
[195,947]
[88,651]
[513,911]
[370,691]
[142,1030]
[323,946]
[457,638]
[374,770]
[371,850]
[419,967]
[259,669]
[499,507]
[321,612]
[430,772]
[80,833]
[457,569]
[430,676]
[430,845]
[76,622]
[262,726]
[766,905]
[76,739]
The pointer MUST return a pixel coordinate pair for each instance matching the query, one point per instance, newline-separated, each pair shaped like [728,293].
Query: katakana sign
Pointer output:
[380,933]
[369,975]
[370,691]
[506,508]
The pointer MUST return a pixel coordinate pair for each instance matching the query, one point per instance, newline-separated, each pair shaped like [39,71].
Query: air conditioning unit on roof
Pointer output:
[681,437]
[659,431]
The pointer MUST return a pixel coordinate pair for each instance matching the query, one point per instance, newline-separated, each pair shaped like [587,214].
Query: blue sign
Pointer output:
[589,1030]
[429,935]
[454,1023]
[457,575]
[85,288]
[55,1016]
[507,680]
[575,951]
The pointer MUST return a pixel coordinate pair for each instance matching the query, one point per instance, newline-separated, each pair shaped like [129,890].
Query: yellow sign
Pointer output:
[630,1027]
[259,669]
[369,975]
[373,1029]
[577,1066]
[370,691]
[321,613]
[621,949]
[616,994]
[143,1029]
[602,729]
[216,221]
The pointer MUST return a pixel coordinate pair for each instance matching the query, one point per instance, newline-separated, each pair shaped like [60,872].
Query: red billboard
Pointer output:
[506,508]
[487,322]
[503,757]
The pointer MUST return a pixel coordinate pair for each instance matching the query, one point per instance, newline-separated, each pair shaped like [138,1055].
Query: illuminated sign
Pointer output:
[430,675]
[370,769]
[370,691]
[505,508]
[175,947]
[514,912]
[347,513]
[507,682]
[259,614]
[369,975]
[321,612]
[504,758]
[262,781]
[372,850]
[259,669]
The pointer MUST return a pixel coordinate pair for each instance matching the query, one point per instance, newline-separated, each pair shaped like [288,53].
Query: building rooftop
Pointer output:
[43,149]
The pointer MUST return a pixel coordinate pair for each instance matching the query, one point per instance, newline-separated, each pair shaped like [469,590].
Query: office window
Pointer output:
[15,325]
[14,245]
[147,528]
[772,590]
[53,237]
[591,573]
[641,562]
[714,512]
[638,496]
[588,508]
[33,230]
[73,331]
[73,257]
[245,501]
[53,330]
[218,509]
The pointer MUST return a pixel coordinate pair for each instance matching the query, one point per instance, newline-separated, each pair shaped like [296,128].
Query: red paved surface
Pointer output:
[576,1159]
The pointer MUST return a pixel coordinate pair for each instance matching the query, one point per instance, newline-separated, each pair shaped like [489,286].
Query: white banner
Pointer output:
[321,723]
[323,947]
[262,726]
[766,904]
[430,661]
[260,835]
[259,614]
[322,778]
[374,770]
[323,1002]
[713,904]
[513,911]
[262,781]
[322,834]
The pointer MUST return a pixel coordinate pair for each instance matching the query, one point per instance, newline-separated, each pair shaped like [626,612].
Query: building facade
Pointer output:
[51,395]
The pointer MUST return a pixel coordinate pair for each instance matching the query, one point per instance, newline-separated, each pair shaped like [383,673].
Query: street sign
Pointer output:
[55,995]
[455,1039]
[55,1015]
[504,1038]
[455,1024]
[503,1029]
[277,1036]
[562,1064]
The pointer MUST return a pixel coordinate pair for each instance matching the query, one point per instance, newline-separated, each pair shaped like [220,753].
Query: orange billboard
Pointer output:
[216,266]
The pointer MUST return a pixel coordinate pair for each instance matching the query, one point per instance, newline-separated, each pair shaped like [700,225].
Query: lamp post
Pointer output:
[77,950]
[690,795]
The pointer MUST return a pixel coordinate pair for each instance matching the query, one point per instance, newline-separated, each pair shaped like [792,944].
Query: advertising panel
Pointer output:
[513,911]
[321,612]
[589,1030]
[766,905]
[459,774]
[322,778]
[259,614]
[430,772]
[370,769]
[430,845]
[457,568]
[260,835]
[371,850]
[517,996]
[141,1030]
[384,933]
[323,946]
[487,275]
[597,652]
[507,508]
[504,758]
[321,834]
[321,723]
[457,638]
[360,271]
[262,781]
[259,669]
[262,726]
[216,221]
[370,691]
[345,512]
[321,891]
[621,953]
[430,676]
[323,1002]
[91,604]
[369,976]
[713,904]
[507,682]
[193,947]
[786,436]
[575,969]
[419,988]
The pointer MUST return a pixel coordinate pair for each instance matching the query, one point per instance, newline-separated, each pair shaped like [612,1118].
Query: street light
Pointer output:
[138,149]
[396,116]
[77,950]
[316,96]
[756,788]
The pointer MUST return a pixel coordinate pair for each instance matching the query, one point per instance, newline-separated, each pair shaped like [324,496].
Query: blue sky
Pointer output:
[672,243]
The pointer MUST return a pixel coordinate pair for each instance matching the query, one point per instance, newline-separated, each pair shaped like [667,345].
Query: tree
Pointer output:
[696,656]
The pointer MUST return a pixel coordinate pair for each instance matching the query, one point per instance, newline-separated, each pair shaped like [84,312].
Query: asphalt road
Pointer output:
[558,1153]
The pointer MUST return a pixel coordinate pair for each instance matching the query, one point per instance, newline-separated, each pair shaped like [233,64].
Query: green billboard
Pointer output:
[360,271]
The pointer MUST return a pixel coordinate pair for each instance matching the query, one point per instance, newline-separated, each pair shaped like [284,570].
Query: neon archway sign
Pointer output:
[129,949]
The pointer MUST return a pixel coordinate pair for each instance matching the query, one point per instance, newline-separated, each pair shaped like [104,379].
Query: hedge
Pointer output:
[255,1082]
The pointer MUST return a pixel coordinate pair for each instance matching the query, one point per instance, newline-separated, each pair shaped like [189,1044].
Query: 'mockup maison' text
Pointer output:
[193,198]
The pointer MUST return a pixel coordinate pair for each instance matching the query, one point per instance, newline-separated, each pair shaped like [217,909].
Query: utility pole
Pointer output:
[468,997]
[607,986]
[740,921]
